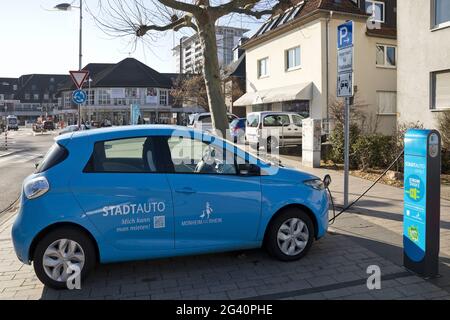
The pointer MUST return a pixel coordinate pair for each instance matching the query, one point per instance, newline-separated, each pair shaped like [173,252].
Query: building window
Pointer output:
[386,56]
[163,97]
[263,67]
[440,13]
[15,87]
[35,96]
[376,9]
[131,92]
[27,96]
[104,96]
[387,102]
[46,96]
[440,90]
[293,58]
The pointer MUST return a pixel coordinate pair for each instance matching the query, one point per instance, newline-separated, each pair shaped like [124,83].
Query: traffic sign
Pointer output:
[79,77]
[345,85]
[345,60]
[79,96]
[345,35]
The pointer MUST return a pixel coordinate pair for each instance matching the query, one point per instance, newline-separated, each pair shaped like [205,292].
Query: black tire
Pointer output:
[271,142]
[70,233]
[271,240]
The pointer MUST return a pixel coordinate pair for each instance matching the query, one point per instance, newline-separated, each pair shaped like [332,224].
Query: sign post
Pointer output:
[78,78]
[345,40]
[421,213]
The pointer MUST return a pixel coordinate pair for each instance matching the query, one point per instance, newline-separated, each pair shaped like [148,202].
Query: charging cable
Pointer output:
[331,221]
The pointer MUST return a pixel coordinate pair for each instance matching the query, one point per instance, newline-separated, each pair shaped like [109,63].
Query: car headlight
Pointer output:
[315,184]
[36,187]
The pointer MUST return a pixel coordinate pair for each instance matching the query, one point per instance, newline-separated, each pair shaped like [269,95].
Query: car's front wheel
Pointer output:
[290,235]
[62,255]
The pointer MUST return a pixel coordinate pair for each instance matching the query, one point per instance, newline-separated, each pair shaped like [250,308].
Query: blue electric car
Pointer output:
[142,192]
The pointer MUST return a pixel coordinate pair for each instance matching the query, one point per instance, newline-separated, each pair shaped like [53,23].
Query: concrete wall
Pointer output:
[421,51]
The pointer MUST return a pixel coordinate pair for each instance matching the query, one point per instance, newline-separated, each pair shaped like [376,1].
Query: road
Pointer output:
[24,150]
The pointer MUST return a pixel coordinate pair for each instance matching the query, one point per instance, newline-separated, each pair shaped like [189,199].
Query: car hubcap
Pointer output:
[293,235]
[62,258]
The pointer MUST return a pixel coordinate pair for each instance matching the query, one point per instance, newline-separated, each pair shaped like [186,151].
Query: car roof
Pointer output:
[274,112]
[123,131]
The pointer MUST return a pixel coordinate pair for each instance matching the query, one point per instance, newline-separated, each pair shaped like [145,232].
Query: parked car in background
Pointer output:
[203,121]
[12,123]
[237,130]
[273,129]
[38,127]
[73,128]
[49,125]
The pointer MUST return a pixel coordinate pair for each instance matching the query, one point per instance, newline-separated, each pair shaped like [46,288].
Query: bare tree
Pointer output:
[148,18]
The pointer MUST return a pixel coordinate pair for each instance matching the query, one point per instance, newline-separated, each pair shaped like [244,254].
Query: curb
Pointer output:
[9,153]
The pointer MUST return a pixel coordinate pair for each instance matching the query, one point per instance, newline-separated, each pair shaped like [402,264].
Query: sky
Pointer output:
[36,39]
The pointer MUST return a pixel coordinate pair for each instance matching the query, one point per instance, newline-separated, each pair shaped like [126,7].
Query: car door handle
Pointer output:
[186,190]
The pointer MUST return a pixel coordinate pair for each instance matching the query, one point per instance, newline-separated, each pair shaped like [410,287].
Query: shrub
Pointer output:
[374,151]
[337,141]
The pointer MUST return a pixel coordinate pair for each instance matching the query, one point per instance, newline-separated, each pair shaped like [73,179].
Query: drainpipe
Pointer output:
[328,67]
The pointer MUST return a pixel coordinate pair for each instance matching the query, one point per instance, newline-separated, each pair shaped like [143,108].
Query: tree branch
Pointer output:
[182,6]
[186,21]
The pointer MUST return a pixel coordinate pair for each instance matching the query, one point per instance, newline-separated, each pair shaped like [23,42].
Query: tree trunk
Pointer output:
[211,73]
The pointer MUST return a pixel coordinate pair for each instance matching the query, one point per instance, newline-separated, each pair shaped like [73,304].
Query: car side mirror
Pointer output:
[327,180]
[249,169]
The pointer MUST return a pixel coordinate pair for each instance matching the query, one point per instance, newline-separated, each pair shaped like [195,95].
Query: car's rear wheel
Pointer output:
[290,235]
[60,254]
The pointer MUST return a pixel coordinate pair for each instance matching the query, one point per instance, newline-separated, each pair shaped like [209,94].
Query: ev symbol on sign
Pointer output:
[345,35]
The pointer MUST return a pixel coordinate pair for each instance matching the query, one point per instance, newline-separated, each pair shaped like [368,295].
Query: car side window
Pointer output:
[200,157]
[252,121]
[276,120]
[131,155]
[297,120]
[205,119]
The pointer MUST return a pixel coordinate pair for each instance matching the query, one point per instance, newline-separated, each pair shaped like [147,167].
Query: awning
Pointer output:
[289,93]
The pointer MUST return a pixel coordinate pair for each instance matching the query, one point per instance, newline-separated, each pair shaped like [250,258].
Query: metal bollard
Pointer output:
[6,140]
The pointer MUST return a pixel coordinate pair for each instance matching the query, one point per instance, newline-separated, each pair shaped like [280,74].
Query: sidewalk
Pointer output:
[376,221]
[335,268]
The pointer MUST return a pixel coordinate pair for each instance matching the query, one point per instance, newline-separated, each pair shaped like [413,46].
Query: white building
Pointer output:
[424,60]
[191,51]
[291,62]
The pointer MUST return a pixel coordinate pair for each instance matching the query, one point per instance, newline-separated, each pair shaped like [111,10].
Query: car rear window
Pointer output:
[54,156]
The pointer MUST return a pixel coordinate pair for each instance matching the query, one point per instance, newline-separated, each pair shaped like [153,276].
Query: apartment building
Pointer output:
[191,59]
[424,60]
[291,61]
[30,96]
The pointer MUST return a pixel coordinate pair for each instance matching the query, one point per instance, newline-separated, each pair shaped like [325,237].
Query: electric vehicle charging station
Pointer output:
[421,214]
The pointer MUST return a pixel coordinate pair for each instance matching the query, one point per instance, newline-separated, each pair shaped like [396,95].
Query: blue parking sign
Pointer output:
[345,35]
[79,96]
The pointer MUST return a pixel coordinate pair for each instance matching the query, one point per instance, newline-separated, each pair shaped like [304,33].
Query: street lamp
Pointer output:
[68,7]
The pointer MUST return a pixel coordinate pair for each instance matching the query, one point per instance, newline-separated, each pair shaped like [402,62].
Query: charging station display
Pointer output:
[421,201]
